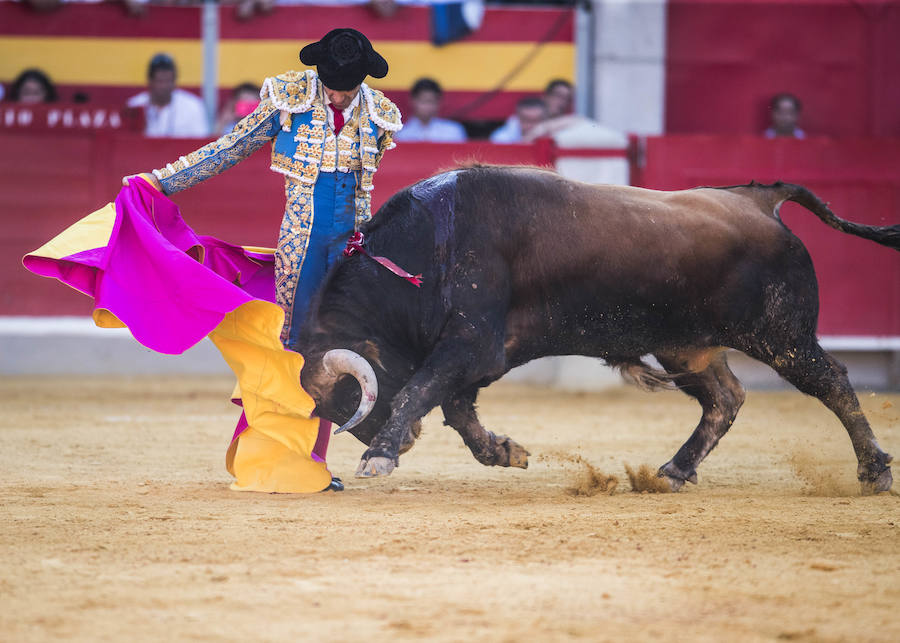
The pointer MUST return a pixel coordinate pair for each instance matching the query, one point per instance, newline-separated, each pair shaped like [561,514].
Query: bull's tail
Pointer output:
[779,192]
[645,376]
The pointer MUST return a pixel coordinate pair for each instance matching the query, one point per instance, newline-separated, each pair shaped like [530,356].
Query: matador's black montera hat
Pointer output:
[343,59]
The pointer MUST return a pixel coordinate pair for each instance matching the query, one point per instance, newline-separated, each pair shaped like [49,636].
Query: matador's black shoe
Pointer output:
[336,485]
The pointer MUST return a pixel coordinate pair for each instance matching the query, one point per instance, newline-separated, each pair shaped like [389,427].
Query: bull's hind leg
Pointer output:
[720,395]
[489,449]
[816,373]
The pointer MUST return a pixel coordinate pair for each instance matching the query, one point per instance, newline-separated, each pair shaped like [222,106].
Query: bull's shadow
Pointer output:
[520,263]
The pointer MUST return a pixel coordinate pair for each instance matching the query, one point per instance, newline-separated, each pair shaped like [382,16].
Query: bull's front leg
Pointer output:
[456,362]
[488,448]
[423,392]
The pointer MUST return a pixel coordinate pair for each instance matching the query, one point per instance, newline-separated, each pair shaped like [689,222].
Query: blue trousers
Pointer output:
[334,218]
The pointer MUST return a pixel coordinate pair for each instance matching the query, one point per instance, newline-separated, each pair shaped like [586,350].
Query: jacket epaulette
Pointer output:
[382,111]
[292,91]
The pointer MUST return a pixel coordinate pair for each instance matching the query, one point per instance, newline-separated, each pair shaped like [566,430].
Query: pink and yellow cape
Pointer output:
[147,270]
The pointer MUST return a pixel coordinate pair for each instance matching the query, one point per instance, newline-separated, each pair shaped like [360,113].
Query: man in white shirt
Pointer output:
[521,127]
[425,97]
[170,112]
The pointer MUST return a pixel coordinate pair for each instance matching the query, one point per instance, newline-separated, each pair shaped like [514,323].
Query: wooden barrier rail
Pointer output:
[49,179]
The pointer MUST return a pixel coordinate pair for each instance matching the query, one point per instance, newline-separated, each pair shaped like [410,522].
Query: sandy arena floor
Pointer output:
[118,525]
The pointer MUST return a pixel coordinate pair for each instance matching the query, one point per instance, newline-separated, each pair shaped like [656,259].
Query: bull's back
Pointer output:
[562,229]
[587,261]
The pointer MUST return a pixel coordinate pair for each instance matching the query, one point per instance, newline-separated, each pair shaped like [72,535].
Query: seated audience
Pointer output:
[32,86]
[136,8]
[243,101]
[559,95]
[424,124]
[44,6]
[247,9]
[784,112]
[531,111]
[169,111]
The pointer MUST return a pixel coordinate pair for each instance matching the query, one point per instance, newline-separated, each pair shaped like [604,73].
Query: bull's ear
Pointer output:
[371,352]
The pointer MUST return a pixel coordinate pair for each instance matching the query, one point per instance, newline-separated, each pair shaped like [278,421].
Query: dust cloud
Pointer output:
[587,480]
[645,480]
[818,479]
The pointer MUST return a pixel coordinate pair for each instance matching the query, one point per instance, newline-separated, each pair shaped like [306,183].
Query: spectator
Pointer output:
[531,111]
[169,111]
[44,6]
[784,112]
[558,96]
[32,86]
[384,8]
[247,9]
[244,99]
[136,8]
[425,125]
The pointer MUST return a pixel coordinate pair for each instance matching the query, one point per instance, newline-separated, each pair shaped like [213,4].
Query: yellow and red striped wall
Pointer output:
[102,51]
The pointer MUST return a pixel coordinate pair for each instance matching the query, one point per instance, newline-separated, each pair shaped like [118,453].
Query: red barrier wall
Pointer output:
[50,179]
[859,281]
[725,59]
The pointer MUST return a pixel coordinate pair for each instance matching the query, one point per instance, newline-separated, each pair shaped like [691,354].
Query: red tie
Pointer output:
[338,118]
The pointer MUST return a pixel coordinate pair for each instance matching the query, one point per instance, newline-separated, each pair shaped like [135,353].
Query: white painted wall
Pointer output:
[629,65]
[74,346]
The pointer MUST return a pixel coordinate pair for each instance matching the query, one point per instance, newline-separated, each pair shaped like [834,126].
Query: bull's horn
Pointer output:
[341,361]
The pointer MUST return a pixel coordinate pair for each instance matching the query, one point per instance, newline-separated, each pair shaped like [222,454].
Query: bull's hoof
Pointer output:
[675,476]
[675,484]
[881,484]
[515,453]
[375,466]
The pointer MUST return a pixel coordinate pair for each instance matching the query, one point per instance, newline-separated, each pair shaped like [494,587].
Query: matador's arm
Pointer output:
[251,133]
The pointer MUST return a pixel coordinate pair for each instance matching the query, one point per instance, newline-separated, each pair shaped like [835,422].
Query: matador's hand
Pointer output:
[149,177]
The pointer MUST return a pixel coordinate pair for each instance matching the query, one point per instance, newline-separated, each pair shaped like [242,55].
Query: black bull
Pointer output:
[520,263]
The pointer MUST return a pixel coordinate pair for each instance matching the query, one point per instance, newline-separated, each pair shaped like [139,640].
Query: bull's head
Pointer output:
[356,358]
[349,391]
[323,380]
